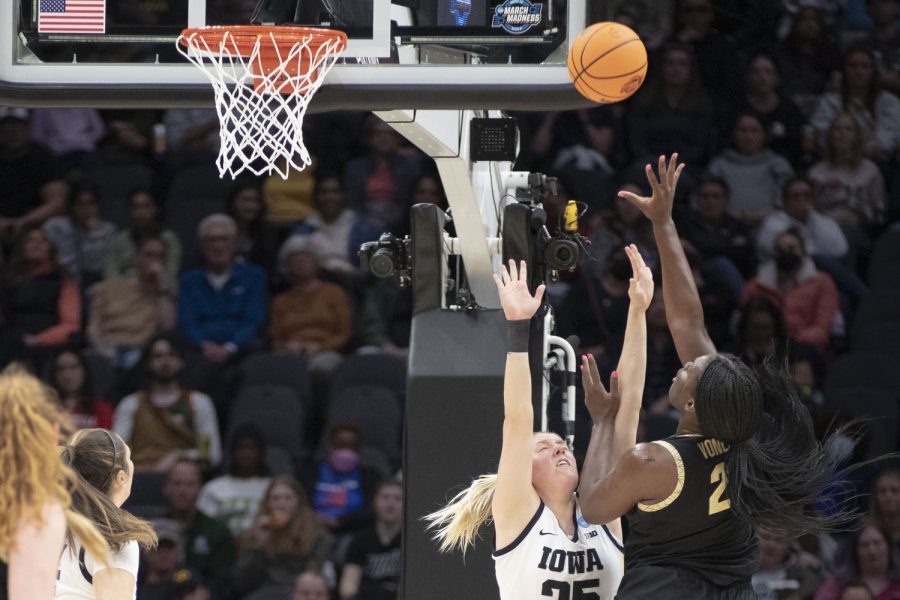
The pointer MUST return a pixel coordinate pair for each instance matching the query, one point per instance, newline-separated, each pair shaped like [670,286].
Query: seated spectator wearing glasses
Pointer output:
[222,306]
[167,421]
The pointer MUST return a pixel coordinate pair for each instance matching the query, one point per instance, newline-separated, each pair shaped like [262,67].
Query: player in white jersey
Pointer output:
[543,546]
[102,462]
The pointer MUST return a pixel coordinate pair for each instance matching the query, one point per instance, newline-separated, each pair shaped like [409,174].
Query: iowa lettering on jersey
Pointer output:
[711,448]
[573,561]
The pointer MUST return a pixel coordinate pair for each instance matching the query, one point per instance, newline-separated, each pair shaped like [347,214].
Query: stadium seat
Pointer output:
[869,369]
[371,369]
[883,338]
[376,411]
[879,306]
[147,500]
[116,182]
[885,262]
[877,408]
[277,411]
[276,369]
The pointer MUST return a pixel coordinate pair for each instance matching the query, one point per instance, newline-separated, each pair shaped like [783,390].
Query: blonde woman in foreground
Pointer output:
[544,547]
[102,462]
[34,490]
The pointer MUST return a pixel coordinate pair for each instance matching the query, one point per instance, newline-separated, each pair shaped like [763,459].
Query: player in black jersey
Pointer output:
[744,453]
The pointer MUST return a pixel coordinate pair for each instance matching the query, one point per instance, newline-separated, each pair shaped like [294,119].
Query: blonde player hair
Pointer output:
[33,474]
[456,525]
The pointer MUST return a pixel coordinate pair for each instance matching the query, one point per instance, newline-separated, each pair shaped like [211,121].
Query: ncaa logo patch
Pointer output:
[517,16]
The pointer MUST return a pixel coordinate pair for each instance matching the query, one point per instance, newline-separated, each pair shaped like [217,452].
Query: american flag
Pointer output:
[72,16]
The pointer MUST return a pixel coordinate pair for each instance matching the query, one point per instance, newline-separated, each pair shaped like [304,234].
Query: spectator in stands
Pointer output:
[129,137]
[144,215]
[885,508]
[192,135]
[785,571]
[284,540]
[672,112]
[340,487]
[80,236]
[808,371]
[808,57]
[821,234]
[876,111]
[235,497]
[246,207]
[222,306]
[71,379]
[870,559]
[723,242]
[754,173]
[716,55]
[334,229]
[781,118]
[884,42]
[651,19]
[372,569]
[190,585]
[206,542]
[313,318]
[807,297]
[760,331]
[310,585]
[160,564]
[386,318]
[613,230]
[823,237]
[379,183]
[849,187]
[166,422]
[126,312]
[40,306]
[289,200]
[71,134]
[596,309]
[31,185]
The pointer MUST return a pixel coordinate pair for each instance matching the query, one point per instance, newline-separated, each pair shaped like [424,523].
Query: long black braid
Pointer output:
[777,469]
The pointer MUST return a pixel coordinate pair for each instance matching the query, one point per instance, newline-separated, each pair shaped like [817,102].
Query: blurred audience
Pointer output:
[807,297]
[144,222]
[80,236]
[71,378]
[127,311]
[760,331]
[808,56]
[373,565]
[247,208]
[235,497]
[785,572]
[31,186]
[284,540]
[156,578]
[310,585]
[40,305]
[166,422]
[885,499]
[870,559]
[222,306]
[206,542]
[71,134]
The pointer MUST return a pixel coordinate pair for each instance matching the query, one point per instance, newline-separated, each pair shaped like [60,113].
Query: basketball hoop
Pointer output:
[263,78]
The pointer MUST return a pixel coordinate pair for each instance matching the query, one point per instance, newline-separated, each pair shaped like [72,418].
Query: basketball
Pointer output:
[607,62]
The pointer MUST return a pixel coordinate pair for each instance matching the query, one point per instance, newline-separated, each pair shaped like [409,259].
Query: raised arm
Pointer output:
[515,499]
[616,414]
[684,313]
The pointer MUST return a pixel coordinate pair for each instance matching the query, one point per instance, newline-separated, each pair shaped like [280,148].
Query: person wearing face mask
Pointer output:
[340,488]
[807,297]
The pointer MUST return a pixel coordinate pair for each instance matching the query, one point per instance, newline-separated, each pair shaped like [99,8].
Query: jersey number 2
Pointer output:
[716,503]
[565,589]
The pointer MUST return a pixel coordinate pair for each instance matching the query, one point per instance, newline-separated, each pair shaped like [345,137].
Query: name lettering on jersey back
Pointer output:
[572,561]
[711,448]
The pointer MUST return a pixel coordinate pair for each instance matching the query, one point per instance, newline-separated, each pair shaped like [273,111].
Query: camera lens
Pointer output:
[562,255]
[383,263]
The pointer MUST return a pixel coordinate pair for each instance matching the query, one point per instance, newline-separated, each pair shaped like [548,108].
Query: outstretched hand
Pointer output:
[640,286]
[516,300]
[658,207]
[602,405]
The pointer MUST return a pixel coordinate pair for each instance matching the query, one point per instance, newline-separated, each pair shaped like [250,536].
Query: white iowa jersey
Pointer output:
[543,562]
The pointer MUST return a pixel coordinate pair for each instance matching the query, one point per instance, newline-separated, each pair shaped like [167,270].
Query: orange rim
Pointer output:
[246,36]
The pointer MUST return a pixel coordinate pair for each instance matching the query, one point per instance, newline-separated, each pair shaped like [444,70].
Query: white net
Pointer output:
[263,82]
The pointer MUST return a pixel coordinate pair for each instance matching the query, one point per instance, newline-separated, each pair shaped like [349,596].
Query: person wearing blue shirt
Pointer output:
[222,306]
